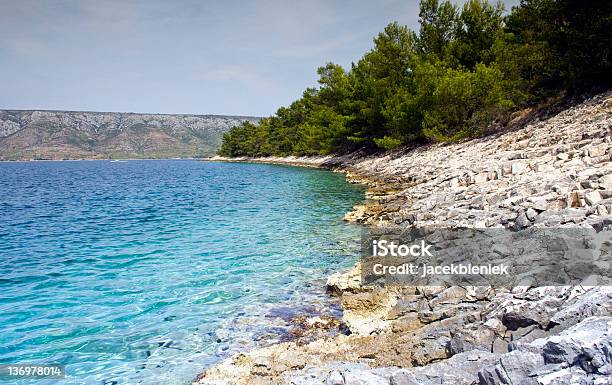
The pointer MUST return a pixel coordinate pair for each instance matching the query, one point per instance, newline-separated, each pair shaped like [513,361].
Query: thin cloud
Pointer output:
[243,74]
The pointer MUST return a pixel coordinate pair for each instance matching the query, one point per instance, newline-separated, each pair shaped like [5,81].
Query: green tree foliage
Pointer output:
[461,103]
[377,77]
[438,27]
[575,37]
[466,68]
[479,25]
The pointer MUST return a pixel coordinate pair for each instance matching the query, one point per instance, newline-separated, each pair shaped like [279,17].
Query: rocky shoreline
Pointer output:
[553,171]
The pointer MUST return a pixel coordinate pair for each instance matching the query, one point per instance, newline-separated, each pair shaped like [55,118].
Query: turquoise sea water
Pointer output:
[148,271]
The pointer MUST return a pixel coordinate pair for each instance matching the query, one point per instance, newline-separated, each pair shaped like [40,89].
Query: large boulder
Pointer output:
[461,369]
[340,282]
[512,368]
[596,301]
[587,344]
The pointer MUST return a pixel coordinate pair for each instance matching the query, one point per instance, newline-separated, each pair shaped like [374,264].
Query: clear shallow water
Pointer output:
[148,271]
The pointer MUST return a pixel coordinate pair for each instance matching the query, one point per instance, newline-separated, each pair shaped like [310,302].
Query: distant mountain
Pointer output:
[104,135]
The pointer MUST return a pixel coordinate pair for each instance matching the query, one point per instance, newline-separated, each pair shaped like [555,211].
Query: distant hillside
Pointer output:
[103,135]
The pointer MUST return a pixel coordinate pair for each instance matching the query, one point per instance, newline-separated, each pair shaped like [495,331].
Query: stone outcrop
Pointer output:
[553,172]
[26,135]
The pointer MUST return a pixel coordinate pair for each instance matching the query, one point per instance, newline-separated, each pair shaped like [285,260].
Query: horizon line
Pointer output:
[128,113]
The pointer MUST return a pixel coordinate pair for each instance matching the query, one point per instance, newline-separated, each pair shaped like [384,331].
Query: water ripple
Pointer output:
[145,272]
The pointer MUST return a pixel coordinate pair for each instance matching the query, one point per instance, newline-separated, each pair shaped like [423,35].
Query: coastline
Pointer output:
[304,161]
[551,172]
[92,159]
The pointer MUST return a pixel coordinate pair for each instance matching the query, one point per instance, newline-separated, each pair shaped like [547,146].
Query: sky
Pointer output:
[229,57]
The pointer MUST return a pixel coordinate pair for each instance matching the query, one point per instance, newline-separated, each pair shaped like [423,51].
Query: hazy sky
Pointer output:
[180,56]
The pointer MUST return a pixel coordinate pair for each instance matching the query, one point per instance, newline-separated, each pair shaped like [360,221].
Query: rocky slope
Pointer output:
[102,135]
[552,172]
